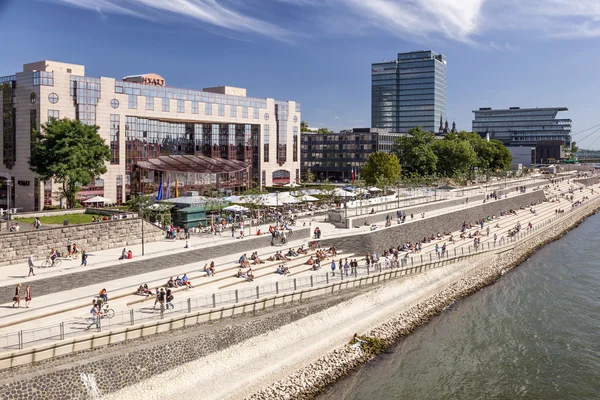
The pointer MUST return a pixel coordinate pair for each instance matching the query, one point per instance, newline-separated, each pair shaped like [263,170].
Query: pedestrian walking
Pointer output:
[28,295]
[156,298]
[30,262]
[232,231]
[17,298]
[95,316]
[346,267]
[69,247]
[333,267]
[169,297]
[161,299]
[84,257]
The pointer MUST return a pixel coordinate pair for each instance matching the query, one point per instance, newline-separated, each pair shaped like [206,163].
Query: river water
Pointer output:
[535,334]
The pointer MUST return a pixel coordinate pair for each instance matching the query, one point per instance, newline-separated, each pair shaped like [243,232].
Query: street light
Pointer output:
[8,194]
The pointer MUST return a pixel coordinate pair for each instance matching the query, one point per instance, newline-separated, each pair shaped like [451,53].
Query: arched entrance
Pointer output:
[281,177]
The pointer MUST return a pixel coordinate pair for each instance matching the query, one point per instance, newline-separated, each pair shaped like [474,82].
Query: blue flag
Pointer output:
[159,195]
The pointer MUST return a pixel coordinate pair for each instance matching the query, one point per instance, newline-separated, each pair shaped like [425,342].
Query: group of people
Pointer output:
[126,255]
[344,267]
[210,269]
[17,296]
[164,298]
[184,281]
[175,232]
[14,227]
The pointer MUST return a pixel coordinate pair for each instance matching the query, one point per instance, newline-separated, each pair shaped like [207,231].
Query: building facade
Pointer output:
[334,156]
[141,118]
[517,126]
[409,92]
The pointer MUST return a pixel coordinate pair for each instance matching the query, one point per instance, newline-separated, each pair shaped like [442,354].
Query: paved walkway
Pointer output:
[74,286]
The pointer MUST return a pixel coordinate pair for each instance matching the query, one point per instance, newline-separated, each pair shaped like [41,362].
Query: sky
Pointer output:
[500,53]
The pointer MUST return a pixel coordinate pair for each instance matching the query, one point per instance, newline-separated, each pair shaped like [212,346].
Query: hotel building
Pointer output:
[142,119]
[409,92]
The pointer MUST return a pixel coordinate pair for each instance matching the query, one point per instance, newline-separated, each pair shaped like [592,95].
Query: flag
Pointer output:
[176,188]
[159,195]
[353,175]
[168,192]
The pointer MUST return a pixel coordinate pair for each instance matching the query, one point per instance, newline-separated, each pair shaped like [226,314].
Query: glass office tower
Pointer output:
[409,92]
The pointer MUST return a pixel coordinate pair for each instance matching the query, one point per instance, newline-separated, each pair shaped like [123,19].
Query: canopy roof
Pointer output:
[98,199]
[190,163]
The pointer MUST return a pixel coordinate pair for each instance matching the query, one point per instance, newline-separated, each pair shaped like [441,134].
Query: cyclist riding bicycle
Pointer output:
[53,255]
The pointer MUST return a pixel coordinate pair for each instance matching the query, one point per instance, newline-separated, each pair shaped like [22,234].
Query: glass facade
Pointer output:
[281,117]
[9,137]
[409,92]
[85,91]
[114,138]
[523,127]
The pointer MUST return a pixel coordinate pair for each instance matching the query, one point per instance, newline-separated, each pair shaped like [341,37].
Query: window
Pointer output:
[233,111]
[221,110]
[43,78]
[53,114]
[32,126]
[165,105]
[244,112]
[180,106]
[266,116]
[194,107]
[114,139]
[53,98]
[295,119]
[266,143]
[295,144]
[149,103]
[33,98]
[114,103]
[255,114]
[208,109]
[132,101]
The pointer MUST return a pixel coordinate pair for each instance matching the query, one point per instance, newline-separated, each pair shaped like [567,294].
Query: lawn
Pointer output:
[74,219]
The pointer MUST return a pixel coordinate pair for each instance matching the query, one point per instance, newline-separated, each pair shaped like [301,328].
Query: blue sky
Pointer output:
[501,53]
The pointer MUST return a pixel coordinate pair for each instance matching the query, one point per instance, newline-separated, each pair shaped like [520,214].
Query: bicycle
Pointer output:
[51,263]
[106,312]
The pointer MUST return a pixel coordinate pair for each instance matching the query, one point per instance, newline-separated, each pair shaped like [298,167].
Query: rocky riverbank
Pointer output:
[309,381]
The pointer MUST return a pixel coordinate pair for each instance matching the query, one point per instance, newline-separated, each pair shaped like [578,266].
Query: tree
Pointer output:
[415,153]
[254,200]
[327,193]
[455,156]
[381,168]
[574,148]
[324,131]
[309,177]
[69,152]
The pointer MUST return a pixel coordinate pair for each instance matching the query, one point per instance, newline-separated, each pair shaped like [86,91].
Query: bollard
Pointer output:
[327,278]
[20,336]
[295,287]
[312,283]
[429,257]
[62,330]
[462,250]
[214,299]
[257,292]
[454,252]
[422,257]
[276,287]
[132,317]
[237,298]
[412,261]
[189,301]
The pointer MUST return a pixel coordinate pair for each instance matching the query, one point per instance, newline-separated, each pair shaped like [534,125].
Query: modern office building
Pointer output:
[142,119]
[409,92]
[517,126]
[334,156]
[527,127]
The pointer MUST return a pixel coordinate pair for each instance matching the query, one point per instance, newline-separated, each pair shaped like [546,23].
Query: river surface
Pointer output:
[535,334]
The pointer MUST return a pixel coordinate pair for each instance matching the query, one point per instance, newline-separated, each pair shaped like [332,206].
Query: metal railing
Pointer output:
[408,265]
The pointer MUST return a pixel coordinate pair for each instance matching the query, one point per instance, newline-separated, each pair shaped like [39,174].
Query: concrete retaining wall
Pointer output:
[16,247]
[381,239]
[588,181]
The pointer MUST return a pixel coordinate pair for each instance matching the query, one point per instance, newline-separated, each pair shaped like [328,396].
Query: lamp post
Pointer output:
[141,209]
[277,206]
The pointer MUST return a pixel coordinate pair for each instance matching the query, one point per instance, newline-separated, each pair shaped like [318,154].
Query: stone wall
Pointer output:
[16,247]
[588,181]
[109,368]
[381,239]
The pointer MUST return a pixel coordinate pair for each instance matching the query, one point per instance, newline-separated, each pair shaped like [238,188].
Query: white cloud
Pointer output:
[208,11]
[465,21]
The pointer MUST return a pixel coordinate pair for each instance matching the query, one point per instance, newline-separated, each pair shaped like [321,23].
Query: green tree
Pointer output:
[309,177]
[69,152]
[574,148]
[415,153]
[254,200]
[381,169]
[327,193]
[455,156]
[324,131]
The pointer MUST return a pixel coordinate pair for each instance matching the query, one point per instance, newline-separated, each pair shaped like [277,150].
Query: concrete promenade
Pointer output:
[66,292]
